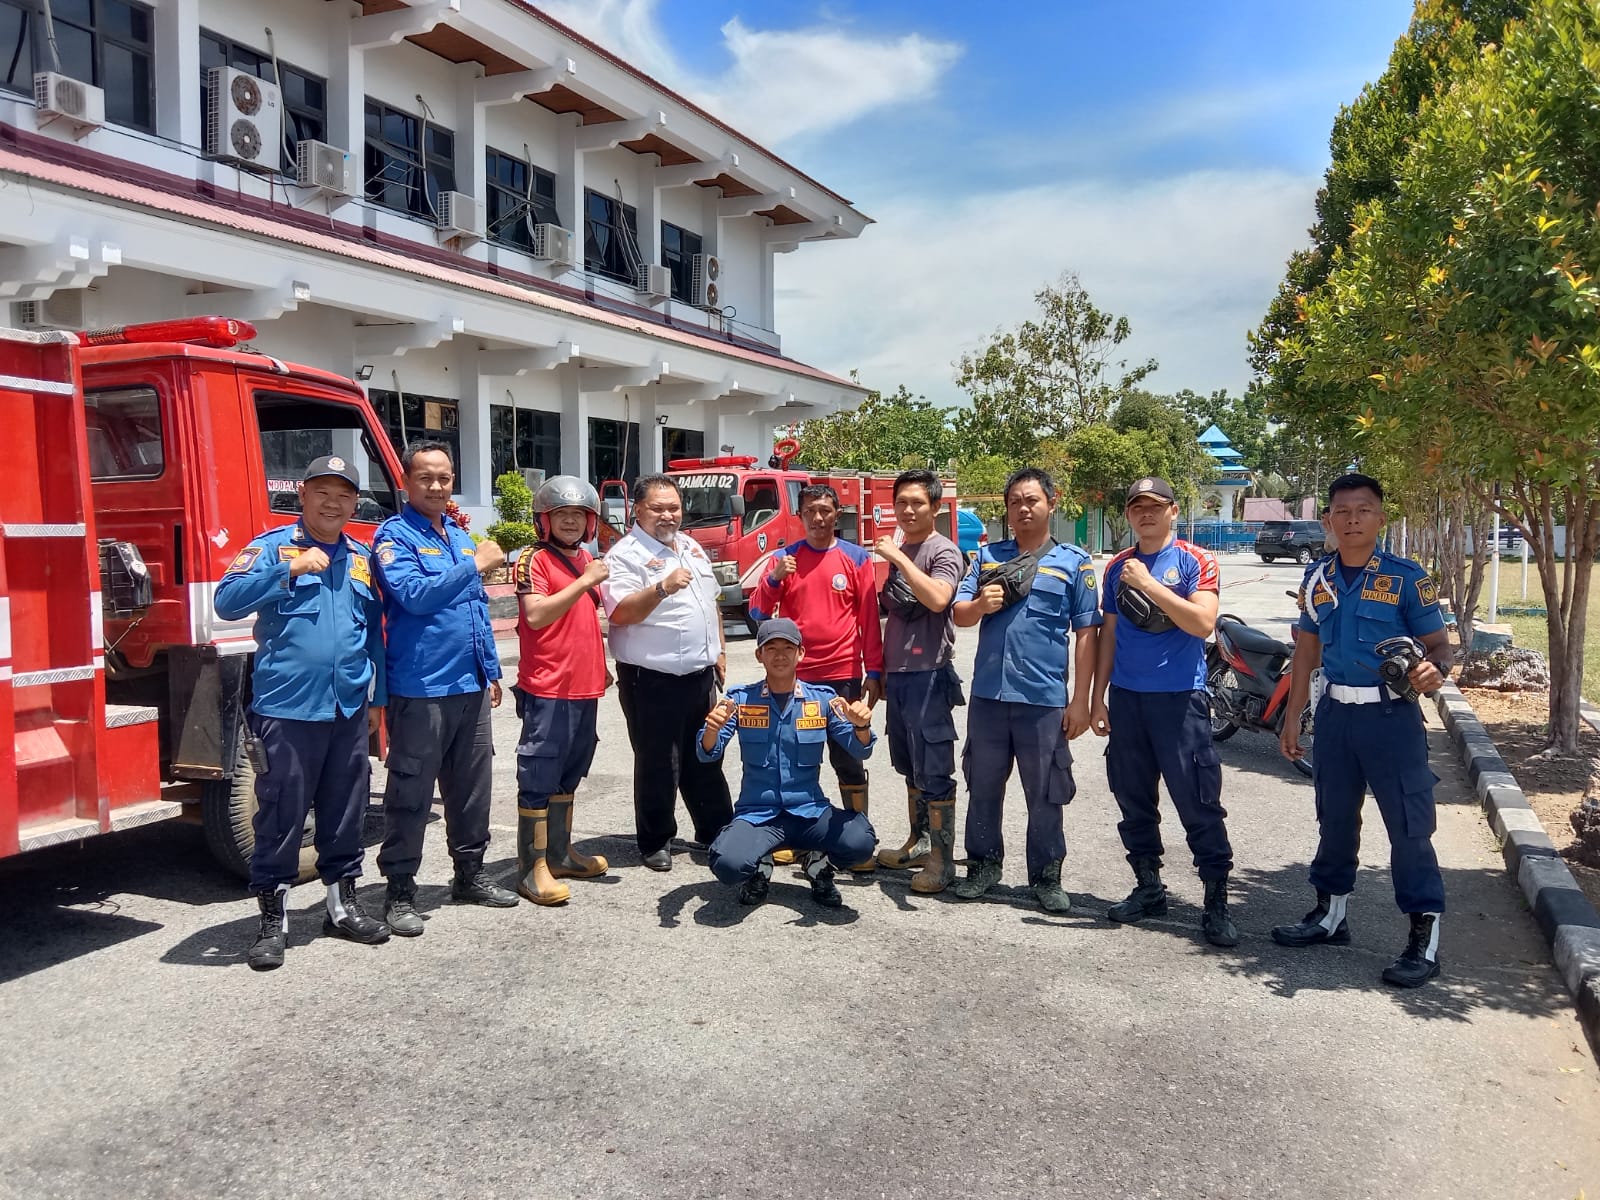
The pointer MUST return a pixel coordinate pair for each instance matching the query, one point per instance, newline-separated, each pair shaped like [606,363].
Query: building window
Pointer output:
[408,417]
[406,170]
[613,451]
[522,437]
[610,237]
[305,97]
[109,43]
[678,248]
[683,443]
[520,195]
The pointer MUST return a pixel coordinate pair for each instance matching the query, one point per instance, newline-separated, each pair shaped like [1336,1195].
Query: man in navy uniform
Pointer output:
[1160,605]
[444,678]
[1025,595]
[319,639]
[783,726]
[1367,737]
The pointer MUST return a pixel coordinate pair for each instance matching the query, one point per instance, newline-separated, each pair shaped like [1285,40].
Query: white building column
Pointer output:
[652,458]
[574,424]
[347,87]
[649,210]
[178,114]
[710,220]
[469,131]
[569,203]
[475,483]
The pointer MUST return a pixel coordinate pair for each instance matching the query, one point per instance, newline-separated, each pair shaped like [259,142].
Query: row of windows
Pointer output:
[408,160]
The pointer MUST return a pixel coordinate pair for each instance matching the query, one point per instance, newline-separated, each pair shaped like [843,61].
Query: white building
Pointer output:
[492,220]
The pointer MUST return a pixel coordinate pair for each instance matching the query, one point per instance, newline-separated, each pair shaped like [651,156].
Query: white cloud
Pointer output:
[780,84]
[1192,261]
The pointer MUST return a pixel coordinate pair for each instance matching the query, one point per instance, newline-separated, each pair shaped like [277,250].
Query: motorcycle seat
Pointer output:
[1253,640]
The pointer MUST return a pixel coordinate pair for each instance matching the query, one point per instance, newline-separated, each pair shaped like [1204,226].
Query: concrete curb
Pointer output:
[1564,914]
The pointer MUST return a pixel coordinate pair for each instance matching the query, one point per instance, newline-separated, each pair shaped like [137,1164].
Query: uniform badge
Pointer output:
[336,463]
[299,534]
[288,553]
[1382,590]
[361,569]
[655,564]
[386,555]
[812,708]
[754,716]
[243,561]
[1087,577]
[840,583]
[1170,576]
[429,550]
[1427,592]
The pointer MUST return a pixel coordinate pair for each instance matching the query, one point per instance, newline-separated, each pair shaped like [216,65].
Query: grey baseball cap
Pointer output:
[778,627]
[332,464]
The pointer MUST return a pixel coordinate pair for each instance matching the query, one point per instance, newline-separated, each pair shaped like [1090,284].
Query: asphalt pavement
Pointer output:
[653,1038]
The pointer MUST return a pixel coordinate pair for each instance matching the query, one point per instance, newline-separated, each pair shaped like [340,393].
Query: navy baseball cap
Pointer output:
[1151,485]
[332,464]
[775,628]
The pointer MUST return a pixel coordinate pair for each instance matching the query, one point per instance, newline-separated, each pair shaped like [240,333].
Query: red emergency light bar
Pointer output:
[220,333]
[701,464]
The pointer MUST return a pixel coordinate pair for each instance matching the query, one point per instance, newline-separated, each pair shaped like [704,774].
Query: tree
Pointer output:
[1171,443]
[884,433]
[513,502]
[983,475]
[1046,377]
[1466,304]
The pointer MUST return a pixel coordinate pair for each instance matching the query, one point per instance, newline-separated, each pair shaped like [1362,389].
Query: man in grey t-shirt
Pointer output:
[922,687]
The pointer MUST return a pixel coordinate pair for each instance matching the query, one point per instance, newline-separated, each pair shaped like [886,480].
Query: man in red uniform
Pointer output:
[827,587]
[560,679]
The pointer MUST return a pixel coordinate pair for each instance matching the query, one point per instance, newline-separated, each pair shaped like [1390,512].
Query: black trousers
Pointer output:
[320,766]
[664,715]
[847,768]
[445,739]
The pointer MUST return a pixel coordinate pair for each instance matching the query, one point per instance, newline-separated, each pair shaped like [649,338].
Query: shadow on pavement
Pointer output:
[720,907]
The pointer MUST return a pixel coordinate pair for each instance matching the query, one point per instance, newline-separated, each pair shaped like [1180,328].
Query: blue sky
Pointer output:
[1167,152]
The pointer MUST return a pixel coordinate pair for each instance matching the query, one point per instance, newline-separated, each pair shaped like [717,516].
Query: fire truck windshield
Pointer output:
[705,497]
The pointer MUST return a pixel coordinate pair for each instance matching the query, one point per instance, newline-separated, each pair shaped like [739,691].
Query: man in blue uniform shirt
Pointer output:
[444,678]
[1366,736]
[1160,603]
[783,726]
[319,647]
[1025,595]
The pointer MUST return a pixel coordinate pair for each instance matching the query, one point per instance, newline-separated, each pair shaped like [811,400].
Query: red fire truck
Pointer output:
[143,459]
[743,513]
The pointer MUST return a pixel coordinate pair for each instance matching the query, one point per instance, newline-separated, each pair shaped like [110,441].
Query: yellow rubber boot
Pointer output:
[565,862]
[915,852]
[784,856]
[533,873]
[855,799]
[940,871]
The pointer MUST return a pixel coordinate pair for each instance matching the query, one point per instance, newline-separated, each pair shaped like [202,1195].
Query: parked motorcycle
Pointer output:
[1247,680]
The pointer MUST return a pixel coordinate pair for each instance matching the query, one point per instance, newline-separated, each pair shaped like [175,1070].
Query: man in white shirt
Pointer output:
[665,630]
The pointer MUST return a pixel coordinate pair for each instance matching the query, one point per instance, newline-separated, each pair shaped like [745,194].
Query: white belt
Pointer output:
[1345,694]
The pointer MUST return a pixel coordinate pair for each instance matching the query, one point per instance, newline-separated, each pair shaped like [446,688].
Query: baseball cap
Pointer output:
[1151,485]
[775,628]
[332,464]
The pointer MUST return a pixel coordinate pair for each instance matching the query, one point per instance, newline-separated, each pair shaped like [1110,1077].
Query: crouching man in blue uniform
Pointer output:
[319,639]
[1367,737]
[784,726]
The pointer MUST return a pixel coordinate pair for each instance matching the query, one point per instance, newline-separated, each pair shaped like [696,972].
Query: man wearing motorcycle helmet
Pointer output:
[1160,604]
[1369,736]
[560,678]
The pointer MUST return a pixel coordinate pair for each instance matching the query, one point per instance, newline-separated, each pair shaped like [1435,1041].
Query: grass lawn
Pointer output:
[1530,631]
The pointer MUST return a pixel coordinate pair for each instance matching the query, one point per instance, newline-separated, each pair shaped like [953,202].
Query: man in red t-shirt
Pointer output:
[560,679]
[828,588]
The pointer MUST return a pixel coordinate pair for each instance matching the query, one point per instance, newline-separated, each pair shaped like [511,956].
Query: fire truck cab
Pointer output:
[154,453]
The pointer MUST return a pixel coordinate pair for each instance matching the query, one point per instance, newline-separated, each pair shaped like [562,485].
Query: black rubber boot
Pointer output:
[472,885]
[1324,925]
[266,952]
[1217,923]
[1047,890]
[348,919]
[1149,895]
[754,890]
[982,874]
[400,907]
[1419,962]
[820,871]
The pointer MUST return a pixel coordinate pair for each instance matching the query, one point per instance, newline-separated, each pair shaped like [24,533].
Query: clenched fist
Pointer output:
[596,573]
[887,549]
[720,714]
[784,566]
[488,555]
[308,562]
[991,598]
[677,579]
[854,711]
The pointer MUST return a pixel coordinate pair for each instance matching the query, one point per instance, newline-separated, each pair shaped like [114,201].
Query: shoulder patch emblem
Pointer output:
[840,583]
[386,555]
[244,560]
[1087,576]
[1427,592]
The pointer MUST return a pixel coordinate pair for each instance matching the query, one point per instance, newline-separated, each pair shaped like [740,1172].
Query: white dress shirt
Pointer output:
[683,633]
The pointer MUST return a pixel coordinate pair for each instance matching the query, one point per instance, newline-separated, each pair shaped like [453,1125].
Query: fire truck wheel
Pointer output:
[228,813]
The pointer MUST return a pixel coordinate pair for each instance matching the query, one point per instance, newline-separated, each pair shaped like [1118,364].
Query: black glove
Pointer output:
[1015,577]
[1143,611]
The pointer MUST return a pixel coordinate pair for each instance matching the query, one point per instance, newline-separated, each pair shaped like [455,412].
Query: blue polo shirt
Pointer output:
[440,641]
[781,742]
[1172,660]
[1023,651]
[319,637]
[1390,597]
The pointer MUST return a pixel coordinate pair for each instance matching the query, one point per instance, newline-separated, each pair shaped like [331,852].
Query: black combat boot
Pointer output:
[472,885]
[1419,962]
[1323,925]
[982,874]
[820,871]
[266,952]
[1047,889]
[1217,923]
[753,891]
[348,919]
[1149,895]
[400,906]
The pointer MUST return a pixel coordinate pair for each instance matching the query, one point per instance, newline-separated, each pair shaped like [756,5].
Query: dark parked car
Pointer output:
[1299,540]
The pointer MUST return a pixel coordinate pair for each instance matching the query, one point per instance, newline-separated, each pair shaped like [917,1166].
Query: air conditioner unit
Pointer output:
[327,168]
[553,243]
[704,288]
[244,121]
[66,309]
[62,98]
[460,216]
[653,283]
